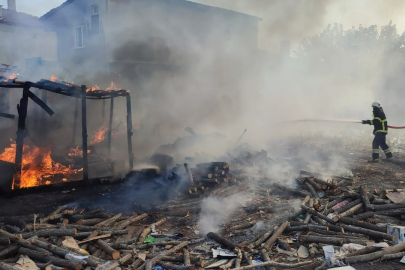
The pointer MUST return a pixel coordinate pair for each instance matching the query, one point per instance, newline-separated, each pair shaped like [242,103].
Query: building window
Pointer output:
[94,9]
[79,43]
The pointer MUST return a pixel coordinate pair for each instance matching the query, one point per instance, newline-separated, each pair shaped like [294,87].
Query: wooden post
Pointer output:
[103,111]
[43,113]
[21,133]
[84,135]
[75,116]
[129,132]
[110,126]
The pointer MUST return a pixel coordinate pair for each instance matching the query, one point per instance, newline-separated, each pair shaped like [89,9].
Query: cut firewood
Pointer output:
[57,211]
[108,222]
[376,255]
[115,254]
[269,243]
[50,232]
[148,229]
[33,254]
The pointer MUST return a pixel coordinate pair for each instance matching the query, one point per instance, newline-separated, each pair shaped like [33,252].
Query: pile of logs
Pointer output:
[329,213]
[206,178]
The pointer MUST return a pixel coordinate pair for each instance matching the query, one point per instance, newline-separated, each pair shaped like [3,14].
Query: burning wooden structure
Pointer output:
[82,93]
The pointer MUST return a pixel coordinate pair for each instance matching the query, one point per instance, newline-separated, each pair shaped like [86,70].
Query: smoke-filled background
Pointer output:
[222,72]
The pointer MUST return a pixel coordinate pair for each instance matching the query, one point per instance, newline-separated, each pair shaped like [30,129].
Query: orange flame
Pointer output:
[38,168]
[99,135]
[53,78]
[76,152]
[94,88]
[112,87]
[12,77]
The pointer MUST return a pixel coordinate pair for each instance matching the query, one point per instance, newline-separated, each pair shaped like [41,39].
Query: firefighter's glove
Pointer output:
[364,122]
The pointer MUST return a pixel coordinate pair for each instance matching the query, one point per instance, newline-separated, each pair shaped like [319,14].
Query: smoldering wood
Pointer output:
[311,189]
[325,183]
[291,190]
[221,240]
[314,184]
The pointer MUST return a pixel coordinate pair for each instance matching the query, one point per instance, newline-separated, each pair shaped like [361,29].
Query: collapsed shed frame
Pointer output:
[80,93]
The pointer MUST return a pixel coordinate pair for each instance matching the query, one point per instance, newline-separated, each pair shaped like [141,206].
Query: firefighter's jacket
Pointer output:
[379,121]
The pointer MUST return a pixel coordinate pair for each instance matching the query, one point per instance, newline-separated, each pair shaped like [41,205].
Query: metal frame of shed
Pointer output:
[72,91]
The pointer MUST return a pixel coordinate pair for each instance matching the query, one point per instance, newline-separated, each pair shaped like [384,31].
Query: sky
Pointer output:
[285,19]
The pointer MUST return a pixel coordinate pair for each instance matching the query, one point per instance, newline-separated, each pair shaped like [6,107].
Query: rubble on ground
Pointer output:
[315,224]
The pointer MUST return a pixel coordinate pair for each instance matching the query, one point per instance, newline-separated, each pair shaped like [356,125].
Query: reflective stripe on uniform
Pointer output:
[387,151]
[376,151]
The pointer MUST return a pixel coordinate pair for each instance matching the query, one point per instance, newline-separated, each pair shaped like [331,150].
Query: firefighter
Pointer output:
[380,132]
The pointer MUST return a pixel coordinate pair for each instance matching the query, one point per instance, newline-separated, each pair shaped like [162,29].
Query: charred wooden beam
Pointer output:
[84,135]
[22,109]
[109,135]
[129,132]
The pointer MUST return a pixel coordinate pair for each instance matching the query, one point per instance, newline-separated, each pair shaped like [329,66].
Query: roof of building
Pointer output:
[19,18]
[172,2]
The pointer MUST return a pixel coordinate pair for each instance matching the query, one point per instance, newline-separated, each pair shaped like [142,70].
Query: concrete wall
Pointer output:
[18,43]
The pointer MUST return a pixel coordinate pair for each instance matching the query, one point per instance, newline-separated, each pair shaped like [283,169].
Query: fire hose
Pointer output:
[338,120]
